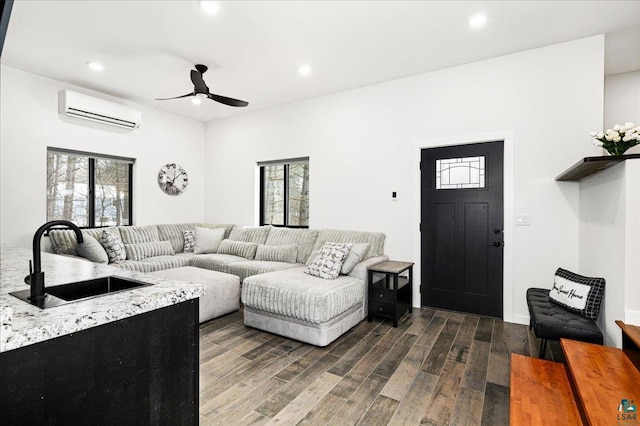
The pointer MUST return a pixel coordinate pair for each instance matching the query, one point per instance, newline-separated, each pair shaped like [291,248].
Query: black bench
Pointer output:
[552,322]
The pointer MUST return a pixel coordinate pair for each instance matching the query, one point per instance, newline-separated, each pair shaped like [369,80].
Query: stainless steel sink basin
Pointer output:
[82,290]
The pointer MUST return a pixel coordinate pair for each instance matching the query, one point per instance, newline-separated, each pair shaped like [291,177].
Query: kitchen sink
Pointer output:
[82,290]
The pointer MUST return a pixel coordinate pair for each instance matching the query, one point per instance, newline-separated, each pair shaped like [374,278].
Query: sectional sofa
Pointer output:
[278,295]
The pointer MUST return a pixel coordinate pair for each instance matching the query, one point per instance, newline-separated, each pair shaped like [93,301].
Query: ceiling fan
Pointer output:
[201,90]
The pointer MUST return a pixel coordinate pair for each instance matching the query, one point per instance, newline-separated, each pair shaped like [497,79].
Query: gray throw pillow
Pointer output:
[356,255]
[287,253]
[91,249]
[328,263]
[207,240]
[114,247]
[238,248]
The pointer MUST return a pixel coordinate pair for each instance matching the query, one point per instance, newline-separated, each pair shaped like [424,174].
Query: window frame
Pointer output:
[92,157]
[286,164]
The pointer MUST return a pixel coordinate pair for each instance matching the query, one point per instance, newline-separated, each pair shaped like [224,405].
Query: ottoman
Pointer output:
[222,291]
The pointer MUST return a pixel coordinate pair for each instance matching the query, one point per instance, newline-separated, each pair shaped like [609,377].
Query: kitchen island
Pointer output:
[124,358]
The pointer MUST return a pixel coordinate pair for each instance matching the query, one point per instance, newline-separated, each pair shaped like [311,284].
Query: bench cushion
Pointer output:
[294,294]
[551,321]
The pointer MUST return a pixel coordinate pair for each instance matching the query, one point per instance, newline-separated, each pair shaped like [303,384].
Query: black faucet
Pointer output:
[36,276]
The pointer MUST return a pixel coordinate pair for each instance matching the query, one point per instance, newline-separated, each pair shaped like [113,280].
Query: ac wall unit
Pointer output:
[74,104]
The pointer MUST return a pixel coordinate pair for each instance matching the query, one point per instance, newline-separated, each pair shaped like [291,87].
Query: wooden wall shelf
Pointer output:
[590,165]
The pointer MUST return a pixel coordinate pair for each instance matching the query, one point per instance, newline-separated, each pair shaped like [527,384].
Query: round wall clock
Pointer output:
[173,179]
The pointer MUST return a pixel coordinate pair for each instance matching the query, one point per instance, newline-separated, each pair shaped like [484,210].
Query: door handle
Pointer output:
[496,244]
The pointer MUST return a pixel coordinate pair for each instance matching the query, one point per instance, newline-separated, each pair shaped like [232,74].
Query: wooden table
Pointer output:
[390,296]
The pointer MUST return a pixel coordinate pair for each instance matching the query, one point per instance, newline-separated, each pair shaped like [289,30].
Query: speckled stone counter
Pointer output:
[23,324]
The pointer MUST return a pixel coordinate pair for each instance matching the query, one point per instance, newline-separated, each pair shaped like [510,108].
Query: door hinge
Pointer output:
[420,165]
[420,227]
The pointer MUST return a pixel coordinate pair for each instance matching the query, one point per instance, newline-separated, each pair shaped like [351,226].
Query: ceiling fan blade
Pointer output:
[227,101]
[198,82]
[177,97]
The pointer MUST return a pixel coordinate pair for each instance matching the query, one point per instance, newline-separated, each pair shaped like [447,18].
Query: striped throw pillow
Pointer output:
[238,248]
[287,253]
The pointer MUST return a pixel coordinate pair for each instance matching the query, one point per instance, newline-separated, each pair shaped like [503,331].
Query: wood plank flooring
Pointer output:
[436,368]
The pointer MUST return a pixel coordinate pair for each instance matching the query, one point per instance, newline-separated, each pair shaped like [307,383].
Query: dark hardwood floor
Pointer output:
[436,368]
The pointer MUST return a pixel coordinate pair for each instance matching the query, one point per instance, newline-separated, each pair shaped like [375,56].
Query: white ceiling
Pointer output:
[254,48]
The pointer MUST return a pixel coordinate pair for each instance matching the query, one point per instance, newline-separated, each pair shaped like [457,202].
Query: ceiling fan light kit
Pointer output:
[201,91]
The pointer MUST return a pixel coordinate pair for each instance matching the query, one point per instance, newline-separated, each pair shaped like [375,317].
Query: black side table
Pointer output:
[390,294]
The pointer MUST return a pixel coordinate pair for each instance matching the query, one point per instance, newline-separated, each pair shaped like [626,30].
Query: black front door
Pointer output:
[462,228]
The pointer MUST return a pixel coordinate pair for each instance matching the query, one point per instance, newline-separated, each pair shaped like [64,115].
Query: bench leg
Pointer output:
[543,348]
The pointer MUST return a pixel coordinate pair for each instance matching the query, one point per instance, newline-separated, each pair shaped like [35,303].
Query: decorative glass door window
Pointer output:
[460,173]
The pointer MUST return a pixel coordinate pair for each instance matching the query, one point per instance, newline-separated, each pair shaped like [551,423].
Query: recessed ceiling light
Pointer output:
[209,7]
[477,20]
[95,66]
[304,70]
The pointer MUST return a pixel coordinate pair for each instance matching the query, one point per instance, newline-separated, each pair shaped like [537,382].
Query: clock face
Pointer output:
[173,179]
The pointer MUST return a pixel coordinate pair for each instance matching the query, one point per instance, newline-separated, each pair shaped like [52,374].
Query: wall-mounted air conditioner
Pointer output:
[74,104]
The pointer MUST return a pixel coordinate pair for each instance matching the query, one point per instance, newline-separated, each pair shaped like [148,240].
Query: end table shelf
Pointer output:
[390,294]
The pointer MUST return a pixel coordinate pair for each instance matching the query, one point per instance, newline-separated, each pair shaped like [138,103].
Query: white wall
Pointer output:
[30,123]
[362,142]
[610,241]
[622,99]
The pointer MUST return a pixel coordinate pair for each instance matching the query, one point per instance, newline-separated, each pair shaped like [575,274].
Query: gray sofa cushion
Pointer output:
[294,294]
[174,234]
[248,268]
[256,235]
[63,241]
[141,251]
[139,234]
[376,239]
[159,263]
[133,265]
[215,262]
[302,238]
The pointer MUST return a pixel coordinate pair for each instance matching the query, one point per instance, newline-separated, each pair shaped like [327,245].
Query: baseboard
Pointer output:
[632,317]
[521,319]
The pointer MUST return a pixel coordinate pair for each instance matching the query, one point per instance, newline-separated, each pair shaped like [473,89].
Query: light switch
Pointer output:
[523,219]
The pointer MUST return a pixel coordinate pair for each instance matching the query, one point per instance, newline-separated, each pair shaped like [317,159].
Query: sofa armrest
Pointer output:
[360,270]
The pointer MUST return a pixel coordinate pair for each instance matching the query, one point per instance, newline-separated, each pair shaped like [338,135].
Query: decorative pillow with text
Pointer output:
[577,293]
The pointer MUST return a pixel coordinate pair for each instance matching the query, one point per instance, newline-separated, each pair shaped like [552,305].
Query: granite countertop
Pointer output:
[23,324]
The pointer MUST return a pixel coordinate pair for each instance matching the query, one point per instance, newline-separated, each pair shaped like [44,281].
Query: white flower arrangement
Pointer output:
[619,139]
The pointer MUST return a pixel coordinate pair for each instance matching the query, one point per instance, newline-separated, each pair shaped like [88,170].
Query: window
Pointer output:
[460,173]
[89,189]
[284,193]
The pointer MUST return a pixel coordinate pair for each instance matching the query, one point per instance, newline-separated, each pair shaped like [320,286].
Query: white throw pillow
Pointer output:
[208,240]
